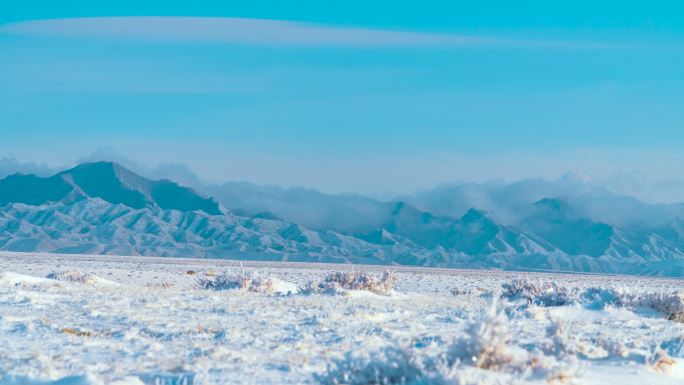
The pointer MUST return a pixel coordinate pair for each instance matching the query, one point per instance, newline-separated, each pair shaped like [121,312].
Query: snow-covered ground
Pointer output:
[78,319]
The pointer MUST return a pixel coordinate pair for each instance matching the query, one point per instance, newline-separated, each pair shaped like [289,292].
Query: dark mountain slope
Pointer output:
[108,181]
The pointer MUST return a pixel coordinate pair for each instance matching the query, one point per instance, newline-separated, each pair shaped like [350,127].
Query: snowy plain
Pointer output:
[81,319]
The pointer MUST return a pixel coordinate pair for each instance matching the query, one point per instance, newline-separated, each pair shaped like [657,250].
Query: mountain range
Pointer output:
[568,224]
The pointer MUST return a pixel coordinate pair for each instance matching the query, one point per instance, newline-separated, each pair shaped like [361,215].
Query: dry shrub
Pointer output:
[660,360]
[224,282]
[539,293]
[256,283]
[544,294]
[561,376]
[456,291]
[159,285]
[670,304]
[74,276]
[353,280]
[261,284]
[77,332]
[488,345]
[388,367]
[486,342]
[563,344]
[615,348]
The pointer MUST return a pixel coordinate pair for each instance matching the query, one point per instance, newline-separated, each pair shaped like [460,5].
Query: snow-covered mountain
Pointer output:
[108,181]
[95,226]
[103,208]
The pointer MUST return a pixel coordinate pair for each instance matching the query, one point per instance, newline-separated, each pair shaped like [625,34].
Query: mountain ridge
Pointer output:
[104,208]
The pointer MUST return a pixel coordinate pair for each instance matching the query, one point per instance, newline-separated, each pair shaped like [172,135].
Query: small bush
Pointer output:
[388,367]
[540,294]
[255,284]
[563,343]
[261,284]
[225,282]
[486,342]
[544,294]
[74,276]
[353,280]
[671,305]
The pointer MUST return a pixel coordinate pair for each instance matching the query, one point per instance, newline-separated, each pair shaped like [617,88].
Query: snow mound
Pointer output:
[75,276]
[8,278]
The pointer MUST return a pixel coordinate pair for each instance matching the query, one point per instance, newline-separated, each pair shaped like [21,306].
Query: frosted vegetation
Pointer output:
[244,281]
[670,304]
[101,320]
[353,280]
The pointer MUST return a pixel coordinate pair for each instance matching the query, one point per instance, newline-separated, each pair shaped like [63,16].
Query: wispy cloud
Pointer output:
[232,30]
[9,166]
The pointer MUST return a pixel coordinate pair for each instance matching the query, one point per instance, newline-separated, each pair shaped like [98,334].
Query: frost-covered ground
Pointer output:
[131,320]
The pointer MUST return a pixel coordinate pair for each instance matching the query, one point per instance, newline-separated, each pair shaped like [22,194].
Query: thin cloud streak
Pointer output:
[233,31]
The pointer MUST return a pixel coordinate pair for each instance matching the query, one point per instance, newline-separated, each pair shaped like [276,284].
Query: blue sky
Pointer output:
[349,95]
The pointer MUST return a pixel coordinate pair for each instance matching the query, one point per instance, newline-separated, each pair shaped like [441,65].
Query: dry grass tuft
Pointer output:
[77,332]
[159,285]
[661,361]
[562,376]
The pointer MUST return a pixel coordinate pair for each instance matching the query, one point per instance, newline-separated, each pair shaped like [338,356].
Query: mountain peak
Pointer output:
[473,215]
[108,181]
[99,163]
[107,169]
[96,168]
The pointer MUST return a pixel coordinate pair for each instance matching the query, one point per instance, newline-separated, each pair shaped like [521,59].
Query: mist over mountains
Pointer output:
[566,224]
[507,203]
